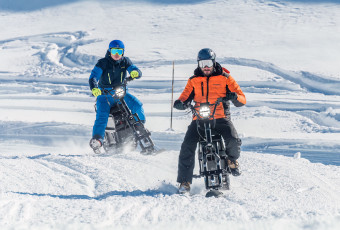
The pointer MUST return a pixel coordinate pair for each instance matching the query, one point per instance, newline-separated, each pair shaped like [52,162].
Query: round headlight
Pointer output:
[204,111]
[120,92]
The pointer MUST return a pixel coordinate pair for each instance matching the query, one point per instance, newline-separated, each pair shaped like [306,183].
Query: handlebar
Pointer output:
[106,92]
[129,78]
[219,100]
[124,83]
[198,115]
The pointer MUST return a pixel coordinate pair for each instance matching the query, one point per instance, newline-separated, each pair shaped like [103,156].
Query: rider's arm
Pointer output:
[188,92]
[131,67]
[234,87]
[96,73]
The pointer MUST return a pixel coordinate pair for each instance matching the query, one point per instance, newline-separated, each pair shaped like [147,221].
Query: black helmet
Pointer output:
[206,54]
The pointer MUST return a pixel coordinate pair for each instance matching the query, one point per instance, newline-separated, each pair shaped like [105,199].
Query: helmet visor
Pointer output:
[205,63]
[117,51]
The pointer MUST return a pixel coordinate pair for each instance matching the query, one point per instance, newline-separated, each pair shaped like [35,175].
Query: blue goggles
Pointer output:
[118,51]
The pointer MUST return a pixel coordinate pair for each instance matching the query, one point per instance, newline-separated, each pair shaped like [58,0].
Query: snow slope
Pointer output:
[285,56]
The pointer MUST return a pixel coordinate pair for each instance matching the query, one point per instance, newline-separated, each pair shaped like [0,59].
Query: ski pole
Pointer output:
[172,92]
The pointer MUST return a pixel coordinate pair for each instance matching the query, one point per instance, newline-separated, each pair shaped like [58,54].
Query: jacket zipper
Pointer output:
[202,89]
[208,89]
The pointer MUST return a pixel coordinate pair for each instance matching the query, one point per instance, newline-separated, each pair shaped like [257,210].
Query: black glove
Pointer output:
[230,96]
[179,105]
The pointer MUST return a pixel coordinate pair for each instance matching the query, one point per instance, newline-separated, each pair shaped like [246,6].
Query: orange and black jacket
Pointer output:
[204,89]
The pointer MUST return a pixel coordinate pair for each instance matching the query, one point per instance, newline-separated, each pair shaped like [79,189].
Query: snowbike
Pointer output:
[211,150]
[125,128]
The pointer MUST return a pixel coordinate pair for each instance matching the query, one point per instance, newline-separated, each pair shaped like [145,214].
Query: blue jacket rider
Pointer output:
[108,73]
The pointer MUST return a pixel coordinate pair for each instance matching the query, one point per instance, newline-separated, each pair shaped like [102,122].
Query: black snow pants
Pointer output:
[186,162]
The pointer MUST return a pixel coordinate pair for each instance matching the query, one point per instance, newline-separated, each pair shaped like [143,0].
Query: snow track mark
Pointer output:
[57,53]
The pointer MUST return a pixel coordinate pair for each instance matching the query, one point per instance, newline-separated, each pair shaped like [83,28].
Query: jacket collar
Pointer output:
[108,57]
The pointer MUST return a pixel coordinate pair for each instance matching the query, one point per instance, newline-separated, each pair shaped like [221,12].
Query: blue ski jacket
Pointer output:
[109,73]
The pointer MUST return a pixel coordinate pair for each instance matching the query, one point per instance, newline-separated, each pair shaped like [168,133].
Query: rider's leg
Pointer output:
[233,143]
[186,160]
[135,105]
[103,109]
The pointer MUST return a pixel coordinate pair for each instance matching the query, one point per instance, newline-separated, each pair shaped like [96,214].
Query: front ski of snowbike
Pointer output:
[125,128]
[212,155]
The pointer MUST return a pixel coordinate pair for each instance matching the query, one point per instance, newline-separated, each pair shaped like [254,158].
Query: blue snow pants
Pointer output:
[104,104]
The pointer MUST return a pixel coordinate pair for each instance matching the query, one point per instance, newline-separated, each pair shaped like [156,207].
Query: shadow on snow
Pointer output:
[165,189]
[312,1]
[32,5]
[24,5]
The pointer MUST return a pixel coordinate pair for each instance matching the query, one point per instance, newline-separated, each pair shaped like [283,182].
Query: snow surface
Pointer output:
[285,56]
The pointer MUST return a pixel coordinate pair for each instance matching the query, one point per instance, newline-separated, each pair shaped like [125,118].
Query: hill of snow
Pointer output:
[284,55]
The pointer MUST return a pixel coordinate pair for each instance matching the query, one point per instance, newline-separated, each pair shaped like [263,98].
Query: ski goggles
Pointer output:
[118,51]
[205,63]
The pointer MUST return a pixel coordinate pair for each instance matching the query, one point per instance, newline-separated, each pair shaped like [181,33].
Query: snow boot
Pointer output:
[184,188]
[234,167]
[95,144]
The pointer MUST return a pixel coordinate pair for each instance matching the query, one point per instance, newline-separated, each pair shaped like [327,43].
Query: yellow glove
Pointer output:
[134,74]
[96,92]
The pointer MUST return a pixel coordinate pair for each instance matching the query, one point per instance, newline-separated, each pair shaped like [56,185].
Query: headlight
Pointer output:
[204,111]
[120,92]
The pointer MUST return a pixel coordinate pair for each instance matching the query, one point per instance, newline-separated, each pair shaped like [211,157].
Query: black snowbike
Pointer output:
[211,150]
[125,128]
